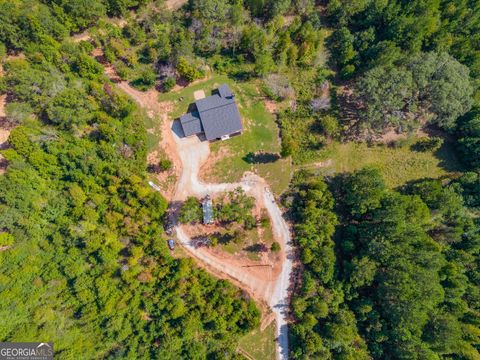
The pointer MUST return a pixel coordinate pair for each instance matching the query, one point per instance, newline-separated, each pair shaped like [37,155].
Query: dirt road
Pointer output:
[188,155]
[193,153]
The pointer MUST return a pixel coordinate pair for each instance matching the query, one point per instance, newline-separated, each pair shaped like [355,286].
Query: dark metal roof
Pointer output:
[191,123]
[217,116]
[207,207]
[220,121]
[224,91]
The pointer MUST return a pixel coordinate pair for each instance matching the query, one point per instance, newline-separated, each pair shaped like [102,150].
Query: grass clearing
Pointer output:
[261,134]
[398,165]
[251,243]
[260,345]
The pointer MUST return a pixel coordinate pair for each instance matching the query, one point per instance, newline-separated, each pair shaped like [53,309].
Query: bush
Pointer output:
[3,51]
[146,79]
[277,87]
[188,71]
[427,144]
[6,239]
[18,112]
[275,247]
[237,209]
[165,165]
[191,211]
[249,222]
[169,83]
[265,221]
[122,70]
[329,125]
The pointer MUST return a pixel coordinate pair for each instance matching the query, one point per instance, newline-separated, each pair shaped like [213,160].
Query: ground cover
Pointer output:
[398,165]
[230,159]
[259,345]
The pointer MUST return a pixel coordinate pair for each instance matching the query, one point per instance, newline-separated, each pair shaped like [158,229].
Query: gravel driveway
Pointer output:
[193,153]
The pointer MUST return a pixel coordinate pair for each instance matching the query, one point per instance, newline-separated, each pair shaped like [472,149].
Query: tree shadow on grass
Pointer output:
[261,158]
[449,160]
[256,248]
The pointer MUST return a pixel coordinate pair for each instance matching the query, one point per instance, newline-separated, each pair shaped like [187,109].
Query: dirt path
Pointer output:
[193,153]
[188,156]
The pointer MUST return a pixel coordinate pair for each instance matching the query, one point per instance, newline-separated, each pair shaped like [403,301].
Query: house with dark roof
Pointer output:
[216,116]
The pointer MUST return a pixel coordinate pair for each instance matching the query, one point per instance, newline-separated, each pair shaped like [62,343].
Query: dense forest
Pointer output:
[87,265]
[386,273]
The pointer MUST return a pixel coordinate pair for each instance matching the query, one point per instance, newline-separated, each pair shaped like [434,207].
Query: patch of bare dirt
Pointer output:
[321,164]
[391,136]
[288,20]
[271,106]
[258,277]
[3,102]
[83,36]
[175,4]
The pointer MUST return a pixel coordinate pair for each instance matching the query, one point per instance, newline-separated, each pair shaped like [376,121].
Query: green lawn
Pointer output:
[260,345]
[260,135]
[398,165]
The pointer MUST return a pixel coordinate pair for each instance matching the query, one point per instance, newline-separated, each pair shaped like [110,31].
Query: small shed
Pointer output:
[207,207]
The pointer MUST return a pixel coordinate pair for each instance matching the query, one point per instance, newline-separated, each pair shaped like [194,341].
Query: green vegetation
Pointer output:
[88,267]
[275,247]
[191,211]
[398,164]
[390,255]
[387,274]
[261,134]
[236,209]
[433,83]
[468,133]
[259,345]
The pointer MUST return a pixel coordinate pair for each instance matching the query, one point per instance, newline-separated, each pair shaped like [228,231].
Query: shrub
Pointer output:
[122,70]
[6,239]
[428,144]
[275,247]
[146,79]
[191,212]
[277,87]
[329,125]
[18,112]
[3,51]
[188,71]
[265,221]
[169,83]
[249,222]
[165,165]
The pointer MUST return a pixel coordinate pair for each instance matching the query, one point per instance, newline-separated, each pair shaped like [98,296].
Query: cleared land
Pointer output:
[398,165]
[229,159]
[259,345]
[192,153]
